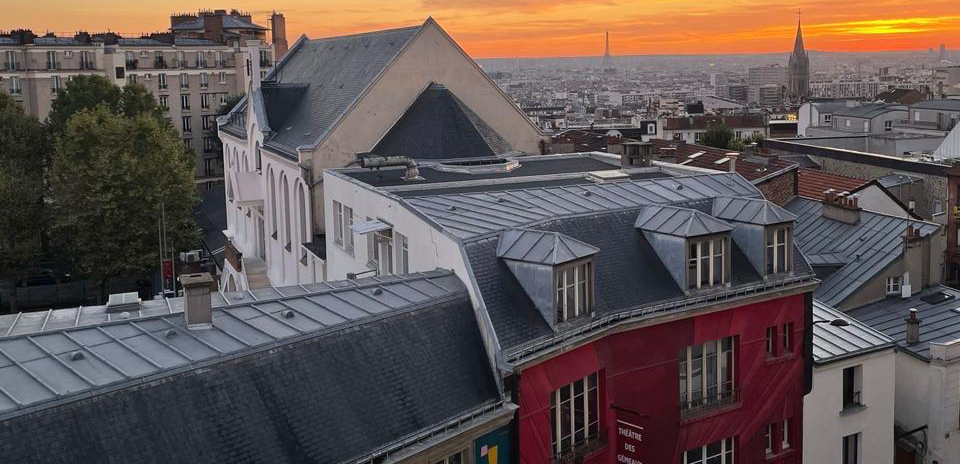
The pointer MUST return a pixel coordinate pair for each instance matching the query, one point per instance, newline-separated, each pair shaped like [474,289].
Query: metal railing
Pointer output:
[708,403]
[131,64]
[12,66]
[536,347]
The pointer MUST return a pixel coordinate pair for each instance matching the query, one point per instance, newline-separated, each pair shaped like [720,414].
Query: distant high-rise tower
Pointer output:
[278,32]
[798,70]
[607,63]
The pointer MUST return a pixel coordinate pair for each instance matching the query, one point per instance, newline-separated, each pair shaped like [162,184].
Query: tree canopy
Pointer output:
[718,136]
[23,156]
[88,92]
[109,177]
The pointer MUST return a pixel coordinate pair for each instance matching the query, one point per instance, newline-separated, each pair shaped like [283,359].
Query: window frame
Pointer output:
[848,440]
[695,363]
[777,256]
[401,247]
[581,267]
[565,441]
[893,285]
[696,263]
[727,454]
[852,389]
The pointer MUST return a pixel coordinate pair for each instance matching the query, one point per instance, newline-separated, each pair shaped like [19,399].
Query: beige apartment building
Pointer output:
[192,70]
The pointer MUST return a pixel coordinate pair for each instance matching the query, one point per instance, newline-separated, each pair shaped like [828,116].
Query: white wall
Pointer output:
[873,198]
[823,424]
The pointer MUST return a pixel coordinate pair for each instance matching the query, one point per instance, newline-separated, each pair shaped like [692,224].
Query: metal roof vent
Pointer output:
[678,186]
[170,333]
[76,356]
[378,291]
[452,208]
[287,313]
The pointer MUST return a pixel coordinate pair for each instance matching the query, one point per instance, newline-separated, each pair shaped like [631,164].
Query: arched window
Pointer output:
[286,210]
[229,188]
[259,159]
[304,228]
[272,185]
[246,165]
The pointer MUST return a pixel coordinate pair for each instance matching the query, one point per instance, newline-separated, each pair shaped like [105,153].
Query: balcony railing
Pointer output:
[131,64]
[53,65]
[159,63]
[926,125]
[12,66]
[708,403]
[265,63]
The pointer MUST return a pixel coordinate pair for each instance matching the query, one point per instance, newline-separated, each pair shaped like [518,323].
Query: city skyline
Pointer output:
[533,28]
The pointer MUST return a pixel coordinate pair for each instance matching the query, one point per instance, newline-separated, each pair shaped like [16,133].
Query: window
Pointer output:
[285,188]
[403,253]
[119,72]
[707,376]
[771,341]
[185,121]
[184,81]
[180,61]
[651,129]
[342,220]
[866,126]
[223,77]
[204,80]
[187,142]
[912,205]
[739,135]
[10,61]
[777,258]
[677,136]
[574,292]
[219,62]
[162,81]
[768,439]
[223,99]
[698,136]
[206,121]
[894,284]
[787,338]
[185,101]
[852,376]
[55,84]
[380,251]
[785,435]
[916,115]
[706,263]
[162,100]
[132,79]
[718,452]
[259,160]
[201,60]
[828,118]
[205,101]
[851,449]
[208,167]
[575,415]
[15,85]
[304,225]
[847,122]
[887,126]
[456,458]
[208,145]
[85,61]
[52,60]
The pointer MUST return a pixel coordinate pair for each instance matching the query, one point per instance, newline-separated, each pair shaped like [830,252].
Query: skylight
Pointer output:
[696,154]
[721,160]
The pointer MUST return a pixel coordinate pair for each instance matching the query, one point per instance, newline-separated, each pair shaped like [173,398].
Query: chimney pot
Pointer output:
[197,308]
[732,164]
[913,327]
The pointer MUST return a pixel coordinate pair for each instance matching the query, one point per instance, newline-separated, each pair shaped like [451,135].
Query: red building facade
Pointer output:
[751,413]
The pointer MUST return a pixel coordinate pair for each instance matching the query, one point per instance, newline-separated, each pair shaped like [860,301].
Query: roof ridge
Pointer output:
[364,34]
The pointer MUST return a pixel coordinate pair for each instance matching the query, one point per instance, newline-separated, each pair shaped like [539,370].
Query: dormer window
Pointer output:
[706,262]
[574,290]
[778,258]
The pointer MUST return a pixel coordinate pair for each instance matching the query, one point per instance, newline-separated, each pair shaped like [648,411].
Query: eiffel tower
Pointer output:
[607,63]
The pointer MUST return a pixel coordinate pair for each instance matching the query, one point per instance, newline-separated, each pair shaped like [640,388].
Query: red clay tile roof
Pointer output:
[709,156]
[811,183]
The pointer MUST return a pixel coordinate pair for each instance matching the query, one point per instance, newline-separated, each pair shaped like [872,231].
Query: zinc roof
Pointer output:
[681,222]
[750,210]
[45,366]
[831,343]
[541,247]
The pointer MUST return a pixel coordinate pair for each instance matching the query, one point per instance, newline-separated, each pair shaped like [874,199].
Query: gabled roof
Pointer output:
[750,210]
[811,183]
[943,105]
[869,246]
[540,247]
[831,343]
[868,110]
[681,222]
[438,125]
[336,71]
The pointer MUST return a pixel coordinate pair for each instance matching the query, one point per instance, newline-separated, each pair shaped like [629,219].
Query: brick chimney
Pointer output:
[197,308]
[278,34]
[841,207]
[913,327]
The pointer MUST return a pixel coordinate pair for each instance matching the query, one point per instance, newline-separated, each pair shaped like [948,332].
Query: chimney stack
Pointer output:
[913,327]
[732,164]
[197,307]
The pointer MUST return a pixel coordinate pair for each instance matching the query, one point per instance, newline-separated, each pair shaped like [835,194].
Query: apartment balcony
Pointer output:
[708,403]
[266,63]
[12,66]
[51,65]
[159,63]
[88,65]
[131,64]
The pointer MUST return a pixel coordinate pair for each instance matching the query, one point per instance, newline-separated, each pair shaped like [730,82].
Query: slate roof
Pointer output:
[473,214]
[229,22]
[628,274]
[336,71]
[539,247]
[705,122]
[832,343]
[329,397]
[750,210]
[211,217]
[438,125]
[45,365]
[680,222]
[811,183]
[897,179]
[701,156]
[583,140]
[936,308]
[900,96]
[943,105]
[868,246]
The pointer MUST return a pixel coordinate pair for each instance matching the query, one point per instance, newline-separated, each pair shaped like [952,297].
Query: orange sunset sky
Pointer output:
[532,28]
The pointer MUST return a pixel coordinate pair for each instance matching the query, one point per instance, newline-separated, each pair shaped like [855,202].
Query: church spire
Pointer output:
[798,42]
[798,86]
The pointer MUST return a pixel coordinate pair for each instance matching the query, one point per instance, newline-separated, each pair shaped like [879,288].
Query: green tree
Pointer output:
[23,155]
[228,104]
[718,136]
[109,176]
[88,92]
